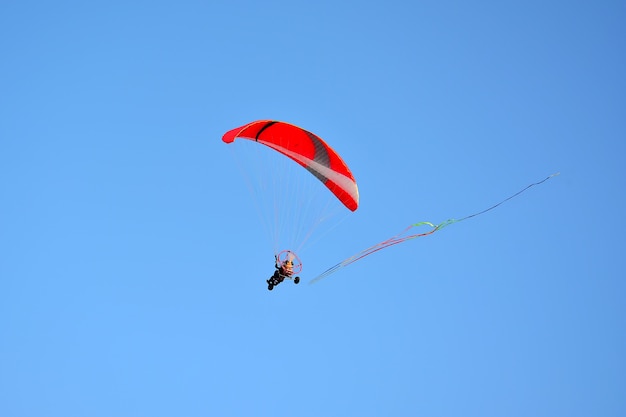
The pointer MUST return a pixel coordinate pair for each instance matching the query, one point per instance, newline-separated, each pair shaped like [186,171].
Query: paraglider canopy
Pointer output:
[308,150]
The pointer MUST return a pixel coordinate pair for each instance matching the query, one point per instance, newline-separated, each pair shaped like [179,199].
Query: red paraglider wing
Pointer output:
[308,150]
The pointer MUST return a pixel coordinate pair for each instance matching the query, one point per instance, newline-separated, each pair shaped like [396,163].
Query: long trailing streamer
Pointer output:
[404,236]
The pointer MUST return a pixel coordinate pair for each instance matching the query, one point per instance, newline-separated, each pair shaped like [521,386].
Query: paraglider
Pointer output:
[287,264]
[313,154]
[309,151]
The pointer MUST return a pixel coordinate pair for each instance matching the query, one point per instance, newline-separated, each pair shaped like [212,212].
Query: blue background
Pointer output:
[132,268]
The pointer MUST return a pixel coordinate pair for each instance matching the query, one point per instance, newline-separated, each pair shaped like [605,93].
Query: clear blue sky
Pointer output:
[132,269]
